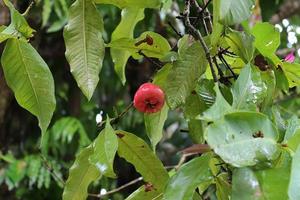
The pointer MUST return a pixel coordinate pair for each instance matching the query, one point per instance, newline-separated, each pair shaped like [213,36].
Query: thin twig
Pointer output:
[201,12]
[227,65]
[117,189]
[174,29]
[116,119]
[50,169]
[197,35]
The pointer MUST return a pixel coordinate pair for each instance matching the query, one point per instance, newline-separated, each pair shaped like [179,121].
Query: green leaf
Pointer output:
[156,47]
[130,17]
[16,171]
[241,44]
[29,77]
[18,22]
[105,149]
[185,72]
[137,152]
[196,131]
[183,184]
[142,194]
[292,72]
[243,139]
[223,187]
[294,141]
[194,106]
[249,90]
[154,122]
[267,40]
[274,181]
[84,45]
[234,11]
[47,8]
[292,126]
[131,3]
[245,185]
[81,174]
[294,186]
[218,109]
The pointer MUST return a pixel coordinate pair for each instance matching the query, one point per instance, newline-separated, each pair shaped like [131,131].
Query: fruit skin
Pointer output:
[149,98]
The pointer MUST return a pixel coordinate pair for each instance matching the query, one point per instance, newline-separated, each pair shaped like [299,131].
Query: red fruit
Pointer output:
[149,98]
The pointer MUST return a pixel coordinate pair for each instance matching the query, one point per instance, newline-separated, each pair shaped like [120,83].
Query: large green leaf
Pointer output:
[29,77]
[218,109]
[150,43]
[137,152]
[19,26]
[243,139]
[81,174]
[267,40]
[249,90]
[274,181]
[132,3]
[245,185]
[293,124]
[234,11]
[185,72]
[294,186]
[84,45]
[223,187]
[154,122]
[130,17]
[242,44]
[105,148]
[292,72]
[182,185]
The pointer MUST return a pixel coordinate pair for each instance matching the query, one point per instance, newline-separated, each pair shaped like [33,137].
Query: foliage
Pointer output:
[224,84]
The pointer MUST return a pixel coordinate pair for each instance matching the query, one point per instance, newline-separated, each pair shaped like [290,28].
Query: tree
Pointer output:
[222,78]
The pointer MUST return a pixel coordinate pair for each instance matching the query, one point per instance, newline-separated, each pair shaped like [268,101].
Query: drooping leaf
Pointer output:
[130,17]
[292,72]
[234,11]
[274,181]
[150,43]
[47,8]
[137,152]
[267,40]
[131,3]
[183,184]
[294,185]
[81,174]
[245,185]
[154,122]
[84,45]
[185,71]
[249,90]
[18,24]
[29,77]
[218,109]
[243,139]
[105,148]
[241,44]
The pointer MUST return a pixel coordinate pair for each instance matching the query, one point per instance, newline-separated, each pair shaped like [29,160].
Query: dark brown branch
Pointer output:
[197,35]
[175,30]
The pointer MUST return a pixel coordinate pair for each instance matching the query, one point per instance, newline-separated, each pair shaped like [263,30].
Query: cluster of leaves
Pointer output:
[255,149]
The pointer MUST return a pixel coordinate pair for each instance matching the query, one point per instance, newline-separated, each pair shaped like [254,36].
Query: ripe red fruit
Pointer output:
[149,98]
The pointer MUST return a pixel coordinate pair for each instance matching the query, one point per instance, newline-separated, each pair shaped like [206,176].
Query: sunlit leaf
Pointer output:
[292,72]
[84,45]
[294,185]
[29,77]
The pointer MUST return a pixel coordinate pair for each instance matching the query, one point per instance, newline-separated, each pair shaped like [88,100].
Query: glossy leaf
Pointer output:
[137,152]
[105,148]
[245,185]
[218,109]
[274,181]
[131,3]
[235,11]
[243,139]
[292,72]
[130,17]
[294,186]
[81,174]
[249,90]
[84,45]
[183,184]
[149,43]
[185,72]
[29,77]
